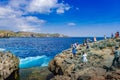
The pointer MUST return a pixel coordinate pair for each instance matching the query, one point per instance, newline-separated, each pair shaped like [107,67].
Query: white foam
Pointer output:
[2,49]
[34,61]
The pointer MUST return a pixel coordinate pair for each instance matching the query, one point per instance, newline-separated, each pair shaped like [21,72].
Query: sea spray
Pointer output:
[34,61]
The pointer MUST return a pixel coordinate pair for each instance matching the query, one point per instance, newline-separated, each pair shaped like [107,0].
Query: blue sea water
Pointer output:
[35,52]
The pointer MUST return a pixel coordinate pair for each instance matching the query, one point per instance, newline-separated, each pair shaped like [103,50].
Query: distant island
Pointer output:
[7,34]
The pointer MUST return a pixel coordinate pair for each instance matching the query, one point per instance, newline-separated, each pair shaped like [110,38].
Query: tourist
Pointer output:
[88,46]
[87,41]
[76,44]
[84,43]
[105,37]
[116,56]
[116,34]
[84,58]
[95,39]
[112,36]
[74,50]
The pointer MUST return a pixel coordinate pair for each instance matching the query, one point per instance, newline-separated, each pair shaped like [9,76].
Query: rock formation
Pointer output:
[9,65]
[66,67]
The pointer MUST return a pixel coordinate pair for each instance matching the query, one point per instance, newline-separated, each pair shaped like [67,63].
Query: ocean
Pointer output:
[34,52]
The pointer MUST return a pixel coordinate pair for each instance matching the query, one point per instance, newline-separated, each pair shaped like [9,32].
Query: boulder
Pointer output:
[8,64]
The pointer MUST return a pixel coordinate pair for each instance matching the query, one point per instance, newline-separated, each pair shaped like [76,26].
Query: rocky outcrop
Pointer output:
[9,65]
[66,67]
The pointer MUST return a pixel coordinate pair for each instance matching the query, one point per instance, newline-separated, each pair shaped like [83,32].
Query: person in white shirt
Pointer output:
[84,57]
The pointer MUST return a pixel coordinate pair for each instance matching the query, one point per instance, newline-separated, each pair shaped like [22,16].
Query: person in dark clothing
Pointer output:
[116,56]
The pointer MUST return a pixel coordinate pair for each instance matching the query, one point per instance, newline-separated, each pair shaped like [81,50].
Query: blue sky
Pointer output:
[69,17]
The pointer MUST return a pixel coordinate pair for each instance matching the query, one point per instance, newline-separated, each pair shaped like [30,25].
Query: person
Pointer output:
[112,36]
[84,43]
[116,56]
[105,37]
[74,50]
[87,41]
[116,34]
[84,58]
[87,46]
[76,44]
[95,39]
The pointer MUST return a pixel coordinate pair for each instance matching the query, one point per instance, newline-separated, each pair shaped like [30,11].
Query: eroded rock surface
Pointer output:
[9,64]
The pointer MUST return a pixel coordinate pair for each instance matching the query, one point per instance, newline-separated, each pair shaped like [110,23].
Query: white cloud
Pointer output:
[18,4]
[7,12]
[34,19]
[47,6]
[12,14]
[71,24]
[11,19]
[62,8]
[42,6]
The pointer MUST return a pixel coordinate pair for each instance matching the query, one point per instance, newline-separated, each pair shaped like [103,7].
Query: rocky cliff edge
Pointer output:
[100,55]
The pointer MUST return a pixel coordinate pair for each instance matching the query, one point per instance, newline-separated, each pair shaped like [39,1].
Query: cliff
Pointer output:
[9,65]
[100,55]
[6,34]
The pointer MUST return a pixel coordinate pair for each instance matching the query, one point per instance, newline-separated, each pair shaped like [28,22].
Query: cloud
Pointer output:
[15,14]
[71,24]
[11,19]
[62,8]
[47,6]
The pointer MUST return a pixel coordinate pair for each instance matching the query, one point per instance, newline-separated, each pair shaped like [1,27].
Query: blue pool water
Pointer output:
[37,51]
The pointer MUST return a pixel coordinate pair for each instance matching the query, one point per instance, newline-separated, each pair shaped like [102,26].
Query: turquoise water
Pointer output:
[37,51]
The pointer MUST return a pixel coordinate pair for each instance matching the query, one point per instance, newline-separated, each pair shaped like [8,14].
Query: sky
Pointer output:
[77,18]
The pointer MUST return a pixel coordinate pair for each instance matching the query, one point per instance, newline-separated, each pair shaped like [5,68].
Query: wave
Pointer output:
[29,62]
[2,49]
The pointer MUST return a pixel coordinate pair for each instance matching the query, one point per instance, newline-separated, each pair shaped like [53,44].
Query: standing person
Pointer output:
[88,46]
[76,44]
[116,34]
[84,43]
[105,37]
[116,56]
[84,58]
[112,36]
[74,50]
[95,39]
[87,41]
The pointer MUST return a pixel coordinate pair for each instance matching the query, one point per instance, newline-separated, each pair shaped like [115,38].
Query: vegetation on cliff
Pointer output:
[5,34]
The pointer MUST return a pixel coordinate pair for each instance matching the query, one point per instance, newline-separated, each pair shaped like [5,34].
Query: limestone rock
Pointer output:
[66,67]
[8,64]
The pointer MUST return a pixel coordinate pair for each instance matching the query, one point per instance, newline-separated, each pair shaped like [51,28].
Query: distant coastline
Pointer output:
[8,34]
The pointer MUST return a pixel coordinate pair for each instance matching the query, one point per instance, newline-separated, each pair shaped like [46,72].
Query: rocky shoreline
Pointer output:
[66,67]
[9,66]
